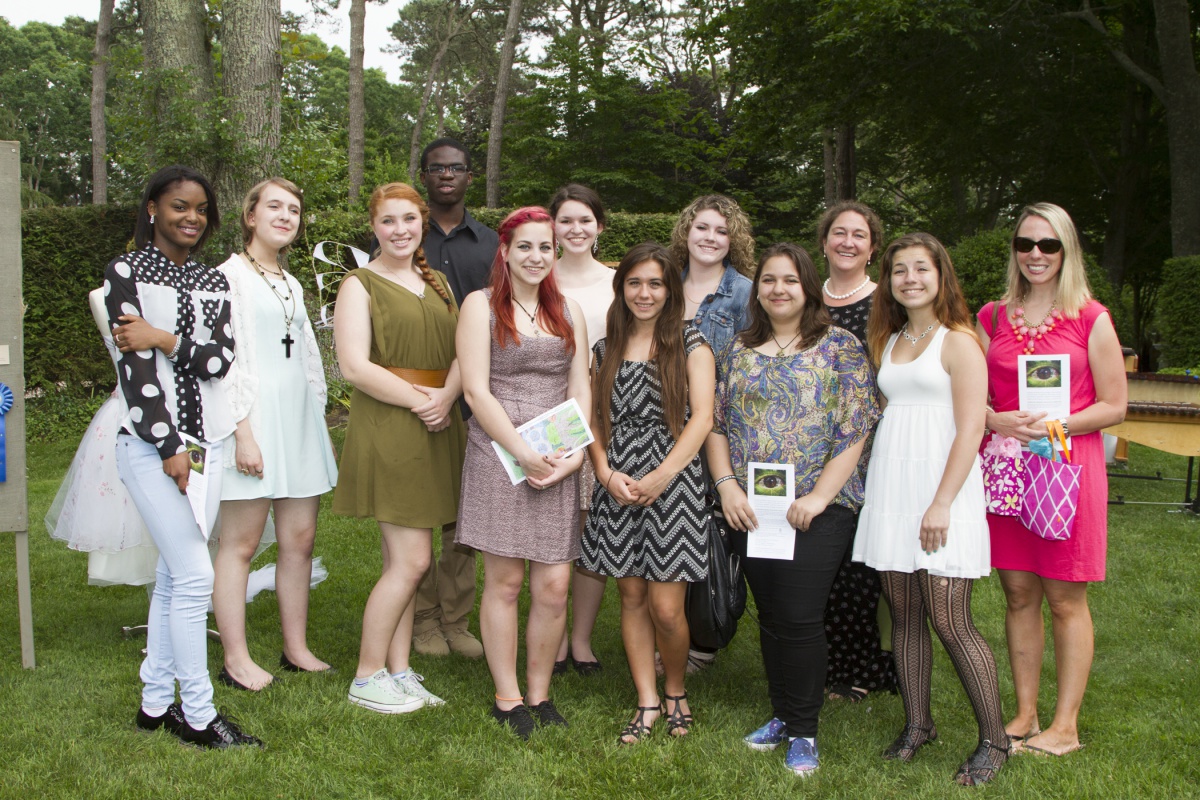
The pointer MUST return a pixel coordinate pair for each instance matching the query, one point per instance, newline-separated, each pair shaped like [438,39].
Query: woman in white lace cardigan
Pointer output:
[281,455]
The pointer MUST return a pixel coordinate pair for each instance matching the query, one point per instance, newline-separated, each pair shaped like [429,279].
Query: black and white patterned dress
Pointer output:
[666,541]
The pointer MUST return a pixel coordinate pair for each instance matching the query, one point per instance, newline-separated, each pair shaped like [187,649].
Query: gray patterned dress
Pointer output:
[519,521]
[667,540]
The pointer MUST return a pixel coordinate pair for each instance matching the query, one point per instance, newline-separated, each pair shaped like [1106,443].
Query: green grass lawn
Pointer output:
[67,727]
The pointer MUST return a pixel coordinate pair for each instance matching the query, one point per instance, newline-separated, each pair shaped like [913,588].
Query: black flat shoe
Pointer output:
[910,740]
[171,721]
[560,667]
[546,714]
[286,665]
[517,718]
[220,734]
[224,677]
[586,668]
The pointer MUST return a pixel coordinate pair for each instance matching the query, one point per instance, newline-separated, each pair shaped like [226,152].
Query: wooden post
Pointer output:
[14,511]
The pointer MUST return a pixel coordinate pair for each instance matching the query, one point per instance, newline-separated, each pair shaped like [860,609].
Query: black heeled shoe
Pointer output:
[983,764]
[910,740]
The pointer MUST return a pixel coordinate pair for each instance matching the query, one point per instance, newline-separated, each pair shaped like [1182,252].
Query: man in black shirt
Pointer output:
[463,248]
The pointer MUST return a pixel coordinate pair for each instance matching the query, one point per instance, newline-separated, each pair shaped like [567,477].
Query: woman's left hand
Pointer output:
[136,335]
[803,510]
[934,527]
[562,468]
[651,486]
[435,412]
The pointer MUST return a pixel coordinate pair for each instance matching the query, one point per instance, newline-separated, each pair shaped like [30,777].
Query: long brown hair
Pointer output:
[814,318]
[668,358]
[402,191]
[550,299]
[888,316]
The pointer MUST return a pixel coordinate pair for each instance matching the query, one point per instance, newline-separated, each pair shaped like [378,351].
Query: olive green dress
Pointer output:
[392,467]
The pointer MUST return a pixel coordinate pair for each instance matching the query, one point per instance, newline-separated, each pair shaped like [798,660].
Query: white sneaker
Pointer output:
[381,694]
[411,686]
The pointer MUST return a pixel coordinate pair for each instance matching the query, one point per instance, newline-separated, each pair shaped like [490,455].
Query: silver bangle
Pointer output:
[719,481]
[175,350]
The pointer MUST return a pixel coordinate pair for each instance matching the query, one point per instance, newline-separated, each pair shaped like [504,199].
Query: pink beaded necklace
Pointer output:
[1030,332]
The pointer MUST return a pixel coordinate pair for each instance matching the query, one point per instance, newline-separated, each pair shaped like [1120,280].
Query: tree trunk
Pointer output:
[99,90]
[827,151]
[847,178]
[453,23]
[252,80]
[356,132]
[496,132]
[176,45]
[1181,84]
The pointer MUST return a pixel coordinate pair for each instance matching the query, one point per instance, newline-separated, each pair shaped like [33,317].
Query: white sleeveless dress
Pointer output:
[912,444]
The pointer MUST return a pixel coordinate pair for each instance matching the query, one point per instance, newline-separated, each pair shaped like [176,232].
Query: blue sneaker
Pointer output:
[802,757]
[768,737]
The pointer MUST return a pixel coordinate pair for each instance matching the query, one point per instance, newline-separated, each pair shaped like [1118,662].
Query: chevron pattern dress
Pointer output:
[666,541]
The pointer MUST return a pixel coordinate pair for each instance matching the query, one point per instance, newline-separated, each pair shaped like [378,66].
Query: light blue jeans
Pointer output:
[176,642]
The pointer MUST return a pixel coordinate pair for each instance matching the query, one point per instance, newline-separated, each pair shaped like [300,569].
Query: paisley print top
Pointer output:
[802,409]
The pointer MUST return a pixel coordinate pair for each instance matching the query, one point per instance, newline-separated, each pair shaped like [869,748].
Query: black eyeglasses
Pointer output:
[1048,246]
[441,169]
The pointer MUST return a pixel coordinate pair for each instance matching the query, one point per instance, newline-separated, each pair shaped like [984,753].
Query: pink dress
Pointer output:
[1082,557]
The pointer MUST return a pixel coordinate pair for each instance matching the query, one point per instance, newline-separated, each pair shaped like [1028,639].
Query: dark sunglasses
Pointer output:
[1047,246]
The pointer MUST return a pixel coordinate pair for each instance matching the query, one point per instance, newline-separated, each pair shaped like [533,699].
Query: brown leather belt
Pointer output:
[433,378]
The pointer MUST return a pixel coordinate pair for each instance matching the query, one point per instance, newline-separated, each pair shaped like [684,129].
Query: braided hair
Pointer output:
[402,191]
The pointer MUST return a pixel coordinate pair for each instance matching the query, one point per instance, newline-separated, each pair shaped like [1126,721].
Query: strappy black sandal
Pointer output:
[910,740]
[678,723]
[983,764]
[637,729]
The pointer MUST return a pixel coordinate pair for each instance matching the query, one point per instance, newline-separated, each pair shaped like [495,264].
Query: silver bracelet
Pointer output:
[719,481]
[175,350]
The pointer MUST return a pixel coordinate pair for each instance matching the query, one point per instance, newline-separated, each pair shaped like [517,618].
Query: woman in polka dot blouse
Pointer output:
[171,323]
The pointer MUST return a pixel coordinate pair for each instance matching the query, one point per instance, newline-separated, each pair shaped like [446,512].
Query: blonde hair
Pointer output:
[251,201]
[741,240]
[1073,289]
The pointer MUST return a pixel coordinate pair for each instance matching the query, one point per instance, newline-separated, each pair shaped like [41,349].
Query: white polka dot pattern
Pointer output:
[191,301]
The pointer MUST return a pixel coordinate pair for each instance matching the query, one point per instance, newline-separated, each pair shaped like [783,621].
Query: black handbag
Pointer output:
[715,604]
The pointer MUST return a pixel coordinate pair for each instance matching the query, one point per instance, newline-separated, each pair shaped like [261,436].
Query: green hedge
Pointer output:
[1179,312]
[65,251]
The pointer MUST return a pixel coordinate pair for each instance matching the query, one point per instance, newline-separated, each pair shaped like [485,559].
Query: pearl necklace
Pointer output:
[913,340]
[1030,332]
[851,293]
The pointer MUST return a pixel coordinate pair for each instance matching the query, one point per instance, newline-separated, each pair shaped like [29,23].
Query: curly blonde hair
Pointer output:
[741,240]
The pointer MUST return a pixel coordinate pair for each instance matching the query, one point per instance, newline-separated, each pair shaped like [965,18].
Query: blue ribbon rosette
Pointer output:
[6,403]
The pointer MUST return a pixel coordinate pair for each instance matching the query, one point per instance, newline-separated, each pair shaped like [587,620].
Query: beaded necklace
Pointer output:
[1029,332]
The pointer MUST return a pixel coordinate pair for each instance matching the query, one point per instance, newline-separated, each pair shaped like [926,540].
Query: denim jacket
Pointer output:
[724,312]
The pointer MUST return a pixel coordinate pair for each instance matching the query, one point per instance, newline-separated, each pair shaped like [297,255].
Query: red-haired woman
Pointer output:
[523,349]
[402,460]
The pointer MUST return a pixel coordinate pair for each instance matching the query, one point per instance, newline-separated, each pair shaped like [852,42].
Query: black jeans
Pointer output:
[791,597]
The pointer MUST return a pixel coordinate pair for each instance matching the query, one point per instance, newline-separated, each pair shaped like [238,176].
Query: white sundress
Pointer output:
[912,444]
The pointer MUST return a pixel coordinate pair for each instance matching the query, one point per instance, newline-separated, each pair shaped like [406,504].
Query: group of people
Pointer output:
[690,363]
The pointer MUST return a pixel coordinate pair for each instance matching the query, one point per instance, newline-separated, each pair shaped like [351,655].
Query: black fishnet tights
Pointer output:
[947,603]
